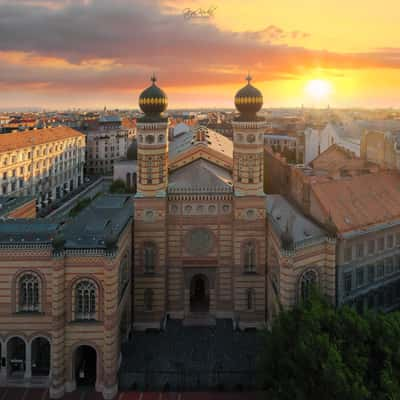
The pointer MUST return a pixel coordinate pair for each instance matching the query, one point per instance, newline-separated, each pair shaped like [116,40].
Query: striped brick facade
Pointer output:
[58,273]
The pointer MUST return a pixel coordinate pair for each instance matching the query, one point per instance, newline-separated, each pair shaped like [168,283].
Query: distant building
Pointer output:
[224,128]
[382,148]
[317,140]
[46,163]
[284,144]
[107,143]
[126,169]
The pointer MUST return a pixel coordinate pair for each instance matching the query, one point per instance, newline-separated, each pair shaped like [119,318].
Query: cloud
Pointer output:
[273,34]
[85,45]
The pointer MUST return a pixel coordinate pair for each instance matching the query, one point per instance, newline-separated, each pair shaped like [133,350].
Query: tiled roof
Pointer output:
[336,157]
[16,140]
[10,203]
[360,201]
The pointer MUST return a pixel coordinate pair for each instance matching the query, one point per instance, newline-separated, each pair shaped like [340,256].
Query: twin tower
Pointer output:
[248,141]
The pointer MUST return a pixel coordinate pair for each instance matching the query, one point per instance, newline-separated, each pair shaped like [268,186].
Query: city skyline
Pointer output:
[87,54]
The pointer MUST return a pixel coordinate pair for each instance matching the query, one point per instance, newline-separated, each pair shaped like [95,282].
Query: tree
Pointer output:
[80,205]
[315,351]
[118,186]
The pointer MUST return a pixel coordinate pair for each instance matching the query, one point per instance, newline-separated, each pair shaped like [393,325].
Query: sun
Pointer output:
[318,89]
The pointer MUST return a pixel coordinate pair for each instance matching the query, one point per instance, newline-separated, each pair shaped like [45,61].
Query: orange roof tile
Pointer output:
[16,140]
[360,201]
[335,158]
[129,123]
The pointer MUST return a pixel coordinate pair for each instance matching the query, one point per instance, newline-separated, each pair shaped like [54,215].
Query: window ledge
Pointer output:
[250,273]
[150,273]
[30,313]
[86,321]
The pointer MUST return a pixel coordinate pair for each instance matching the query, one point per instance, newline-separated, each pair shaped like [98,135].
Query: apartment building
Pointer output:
[45,163]
[106,143]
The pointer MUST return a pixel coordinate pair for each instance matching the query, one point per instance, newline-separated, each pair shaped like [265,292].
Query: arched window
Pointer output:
[161,169]
[249,257]
[149,171]
[149,257]
[148,299]
[29,293]
[85,300]
[150,139]
[308,281]
[250,299]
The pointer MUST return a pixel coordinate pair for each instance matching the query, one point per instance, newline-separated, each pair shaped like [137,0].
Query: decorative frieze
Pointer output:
[195,209]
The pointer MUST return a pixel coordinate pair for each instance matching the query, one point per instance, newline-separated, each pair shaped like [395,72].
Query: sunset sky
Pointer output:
[91,53]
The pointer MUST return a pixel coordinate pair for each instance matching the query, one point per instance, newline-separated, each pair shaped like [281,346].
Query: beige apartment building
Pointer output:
[45,163]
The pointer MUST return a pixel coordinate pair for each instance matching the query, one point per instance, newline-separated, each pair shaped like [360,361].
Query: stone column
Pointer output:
[3,370]
[28,361]
[111,329]
[58,367]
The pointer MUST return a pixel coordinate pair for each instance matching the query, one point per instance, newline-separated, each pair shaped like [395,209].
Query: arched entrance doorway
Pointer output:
[40,357]
[199,294]
[16,357]
[85,366]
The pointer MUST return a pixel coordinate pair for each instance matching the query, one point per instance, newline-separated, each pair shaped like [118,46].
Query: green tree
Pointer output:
[118,186]
[80,205]
[315,351]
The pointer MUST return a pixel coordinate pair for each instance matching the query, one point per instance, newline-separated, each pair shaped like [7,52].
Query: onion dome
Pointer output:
[131,153]
[248,101]
[153,100]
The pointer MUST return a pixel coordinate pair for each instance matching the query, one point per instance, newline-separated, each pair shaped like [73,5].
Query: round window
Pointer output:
[149,139]
[199,241]
[251,138]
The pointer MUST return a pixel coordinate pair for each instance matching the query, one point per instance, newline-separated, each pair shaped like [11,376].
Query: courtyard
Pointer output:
[192,358]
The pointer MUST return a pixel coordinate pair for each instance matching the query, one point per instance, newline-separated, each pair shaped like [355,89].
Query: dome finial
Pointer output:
[153,101]
[248,78]
[248,101]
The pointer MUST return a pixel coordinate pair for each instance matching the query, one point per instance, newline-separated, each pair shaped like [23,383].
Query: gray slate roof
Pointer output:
[200,176]
[27,231]
[104,219]
[284,216]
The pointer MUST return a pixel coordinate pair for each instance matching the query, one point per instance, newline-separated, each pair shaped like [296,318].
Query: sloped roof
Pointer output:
[336,157]
[12,141]
[360,201]
[213,140]
[10,203]
[287,218]
[200,176]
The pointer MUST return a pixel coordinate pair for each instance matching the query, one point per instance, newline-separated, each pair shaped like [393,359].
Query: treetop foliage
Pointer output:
[315,351]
